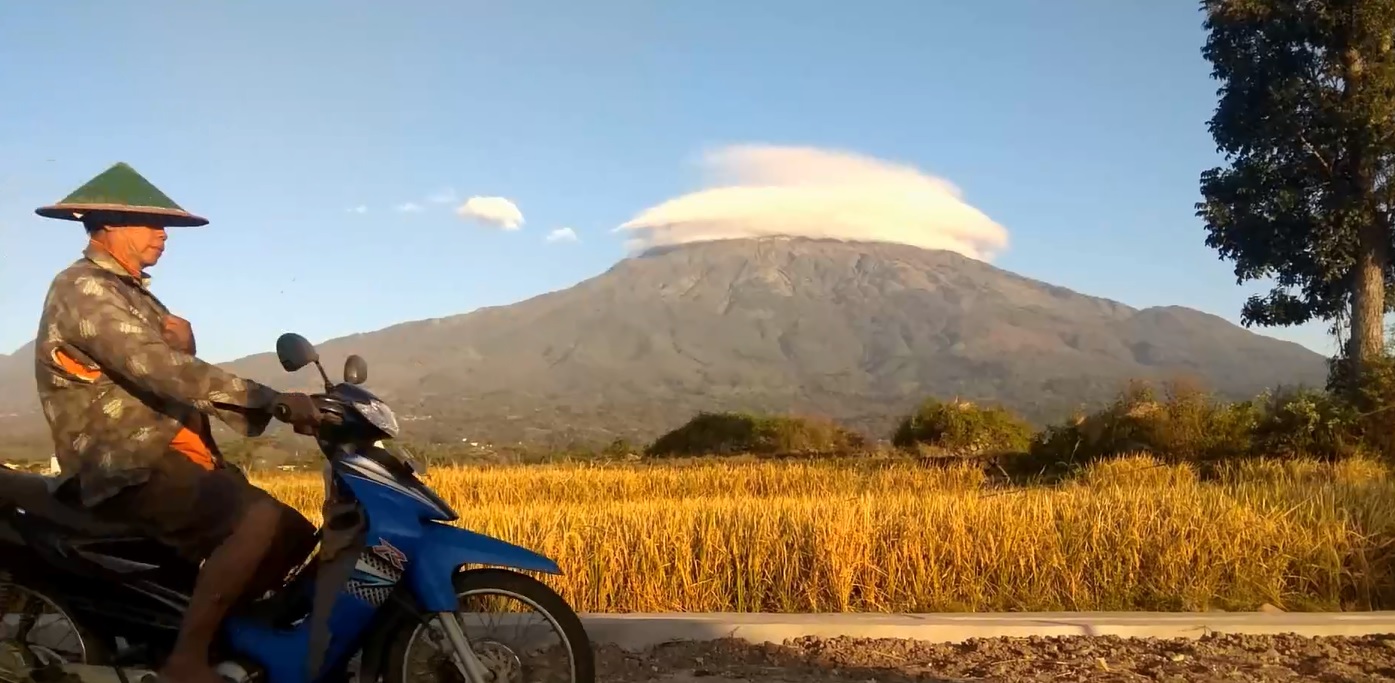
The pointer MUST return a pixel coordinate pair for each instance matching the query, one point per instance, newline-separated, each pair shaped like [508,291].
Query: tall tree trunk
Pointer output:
[1368,298]
[1367,341]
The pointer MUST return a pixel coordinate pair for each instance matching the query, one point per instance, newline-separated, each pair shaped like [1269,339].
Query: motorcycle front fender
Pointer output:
[444,549]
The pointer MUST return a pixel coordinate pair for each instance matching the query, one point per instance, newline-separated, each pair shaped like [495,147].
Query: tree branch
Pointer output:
[1316,155]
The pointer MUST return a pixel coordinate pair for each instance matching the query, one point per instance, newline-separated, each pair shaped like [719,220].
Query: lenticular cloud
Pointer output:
[766,191]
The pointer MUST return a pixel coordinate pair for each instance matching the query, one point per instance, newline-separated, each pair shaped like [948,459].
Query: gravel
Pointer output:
[1214,657]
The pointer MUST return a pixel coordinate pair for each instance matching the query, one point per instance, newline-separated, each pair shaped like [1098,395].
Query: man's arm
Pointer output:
[98,321]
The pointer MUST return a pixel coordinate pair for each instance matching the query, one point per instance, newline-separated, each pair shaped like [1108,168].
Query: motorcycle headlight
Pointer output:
[379,415]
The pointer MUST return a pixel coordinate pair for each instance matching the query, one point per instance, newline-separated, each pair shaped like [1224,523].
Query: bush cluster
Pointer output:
[730,433]
[1182,422]
[961,428]
[1176,421]
[1369,411]
[1186,423]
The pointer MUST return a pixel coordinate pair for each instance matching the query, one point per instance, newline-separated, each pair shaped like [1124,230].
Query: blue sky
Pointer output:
[1078,126]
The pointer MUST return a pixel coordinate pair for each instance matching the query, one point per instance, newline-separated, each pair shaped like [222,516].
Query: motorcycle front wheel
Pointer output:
[422,653]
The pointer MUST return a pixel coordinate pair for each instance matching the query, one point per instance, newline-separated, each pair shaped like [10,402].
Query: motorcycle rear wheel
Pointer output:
[20,599]
[506,584]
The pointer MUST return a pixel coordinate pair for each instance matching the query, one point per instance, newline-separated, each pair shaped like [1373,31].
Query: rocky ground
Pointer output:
[824,660]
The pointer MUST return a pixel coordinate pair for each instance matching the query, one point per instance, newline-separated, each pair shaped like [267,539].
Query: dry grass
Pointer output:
[800,537]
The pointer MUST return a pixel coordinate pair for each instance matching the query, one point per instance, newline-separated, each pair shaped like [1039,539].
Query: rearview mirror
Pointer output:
[295,352]
[355,369]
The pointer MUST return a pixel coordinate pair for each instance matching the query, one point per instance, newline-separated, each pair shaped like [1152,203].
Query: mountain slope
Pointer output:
[860,332]
[857,331]
[16,367]
[22,428]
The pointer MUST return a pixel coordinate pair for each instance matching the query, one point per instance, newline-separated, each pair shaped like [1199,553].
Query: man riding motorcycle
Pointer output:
[128,404]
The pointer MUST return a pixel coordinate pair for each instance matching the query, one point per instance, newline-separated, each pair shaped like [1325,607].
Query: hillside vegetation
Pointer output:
[1175,421]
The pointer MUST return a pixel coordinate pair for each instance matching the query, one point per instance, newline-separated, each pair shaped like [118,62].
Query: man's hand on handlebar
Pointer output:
[298,410]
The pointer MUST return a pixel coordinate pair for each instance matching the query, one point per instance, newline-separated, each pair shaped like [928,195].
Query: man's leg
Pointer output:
[222,581]
[295,541]
[221,519]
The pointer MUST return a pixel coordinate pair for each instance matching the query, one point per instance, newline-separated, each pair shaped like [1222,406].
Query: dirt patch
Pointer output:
[1214,657]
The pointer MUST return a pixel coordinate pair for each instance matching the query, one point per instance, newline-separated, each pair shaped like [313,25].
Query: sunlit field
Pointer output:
[1130,534]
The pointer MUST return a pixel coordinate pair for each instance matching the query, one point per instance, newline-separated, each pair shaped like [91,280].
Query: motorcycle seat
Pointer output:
[38,495]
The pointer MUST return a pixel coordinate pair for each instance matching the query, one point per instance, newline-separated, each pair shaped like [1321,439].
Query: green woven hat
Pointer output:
[121,196]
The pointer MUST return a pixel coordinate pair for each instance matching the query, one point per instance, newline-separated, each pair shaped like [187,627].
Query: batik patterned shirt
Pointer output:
[110,425]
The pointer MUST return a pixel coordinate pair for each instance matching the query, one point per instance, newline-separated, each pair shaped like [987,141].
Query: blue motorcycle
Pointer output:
[387,596]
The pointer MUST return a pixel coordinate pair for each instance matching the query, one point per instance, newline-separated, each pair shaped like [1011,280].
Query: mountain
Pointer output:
[856,331]
[17,366]
[15,370]
[21,426]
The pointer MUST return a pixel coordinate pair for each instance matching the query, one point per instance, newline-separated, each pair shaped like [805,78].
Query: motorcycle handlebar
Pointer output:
[282,412]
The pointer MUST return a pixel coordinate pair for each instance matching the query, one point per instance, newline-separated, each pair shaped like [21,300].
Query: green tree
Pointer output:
[1306,120]
[963,429]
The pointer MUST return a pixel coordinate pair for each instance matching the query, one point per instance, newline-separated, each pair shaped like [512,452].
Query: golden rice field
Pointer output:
[899,537]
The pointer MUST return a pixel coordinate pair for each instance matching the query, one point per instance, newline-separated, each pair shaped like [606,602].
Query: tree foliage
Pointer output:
[730,433]
[964,429]
[1306,120]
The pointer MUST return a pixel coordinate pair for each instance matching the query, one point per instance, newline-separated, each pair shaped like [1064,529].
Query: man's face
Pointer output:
[141,244]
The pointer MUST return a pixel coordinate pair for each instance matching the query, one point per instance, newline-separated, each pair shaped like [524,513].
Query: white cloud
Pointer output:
[763,190]
[562,235]
[496,211]
[446,196]
[409,207]
[359,209]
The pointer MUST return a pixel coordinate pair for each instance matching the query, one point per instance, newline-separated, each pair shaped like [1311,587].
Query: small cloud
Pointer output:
[410,207]
[446,196]
[562,235]
[359,209]
[496,211]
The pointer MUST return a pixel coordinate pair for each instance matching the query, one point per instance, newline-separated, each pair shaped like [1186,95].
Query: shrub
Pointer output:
[1369,401]
[962,428]
[1305,422]
[619,448]
[1187,424]
[728,433]
[1191,424]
